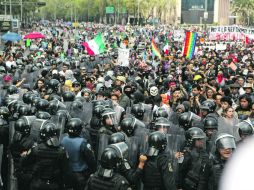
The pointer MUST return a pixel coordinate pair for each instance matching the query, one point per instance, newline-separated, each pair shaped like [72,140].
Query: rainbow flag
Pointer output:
[156,51]
[189,44]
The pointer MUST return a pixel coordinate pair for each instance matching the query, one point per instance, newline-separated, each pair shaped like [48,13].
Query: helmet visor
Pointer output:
[225,143]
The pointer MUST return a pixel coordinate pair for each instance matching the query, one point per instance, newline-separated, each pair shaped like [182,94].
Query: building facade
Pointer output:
[192,11]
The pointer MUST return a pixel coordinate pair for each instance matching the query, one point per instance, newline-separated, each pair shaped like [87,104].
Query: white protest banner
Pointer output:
[221,47]
[179,35]
[123,57]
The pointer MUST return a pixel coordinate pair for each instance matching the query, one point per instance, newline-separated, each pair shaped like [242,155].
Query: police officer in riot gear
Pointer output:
[133,175]
[160,112]
[49,161]
[24,110]
[245,130]
[109,126]
[208,107]
[81,156]
[22,142]
[138,110]
[53,86]
[187,120]
[210,129]
[95,124]
[4,143]
[42,105]
[117,138]
[195,160]
[106,177]
[138,134]
[158,169]
[109,121]
[209,180]
[162,124]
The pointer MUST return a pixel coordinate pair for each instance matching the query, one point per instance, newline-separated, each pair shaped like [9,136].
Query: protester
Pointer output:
[130,77]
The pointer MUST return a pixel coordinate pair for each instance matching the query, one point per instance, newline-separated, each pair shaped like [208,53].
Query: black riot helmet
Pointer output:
[97,110]
[138,110]
[127,125]
[48,134]
[160,112]
[4,112]
[110,159]
[225,141]
[12,90]
[117,137]
[161,122]
[34,100]
[68,96]
[157,142]
[245,128]
[77,105]
[54,84]
[184,120]
[55,97]
[26,97]
[109,114]
[43,115]
[24,110]
[74,127]
[42,105]
[22,127]
[98,102]
[121,149]
[210,123]
[192,134]
[17,105]
[208,106]
[53,107]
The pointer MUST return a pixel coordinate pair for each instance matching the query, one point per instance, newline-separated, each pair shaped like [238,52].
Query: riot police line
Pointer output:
[47,146]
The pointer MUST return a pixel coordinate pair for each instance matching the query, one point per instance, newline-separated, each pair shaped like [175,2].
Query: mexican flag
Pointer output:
[95,46]
[166,48]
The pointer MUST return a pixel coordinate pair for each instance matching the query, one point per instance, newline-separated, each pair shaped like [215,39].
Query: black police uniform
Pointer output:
[116,182]
[50,167]
[211,175]
[49,161]
[107,177]
[158,173]
[192,168]
[23,174]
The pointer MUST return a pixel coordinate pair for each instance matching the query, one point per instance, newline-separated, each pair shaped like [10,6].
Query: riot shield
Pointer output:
[62,116]
[142,134]
[210,145]
[196,121]
[224,127]
[148,115]
[4,138]
[12,180]
[133,151]
[36,126]
[68,105]
[173,117]
[102,144]
[87,111]
[1,156]
[174,144]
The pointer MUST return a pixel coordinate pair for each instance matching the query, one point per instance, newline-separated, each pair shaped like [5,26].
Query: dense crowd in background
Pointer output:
[70,120]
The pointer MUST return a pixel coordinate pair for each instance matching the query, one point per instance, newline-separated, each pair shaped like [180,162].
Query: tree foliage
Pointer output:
[95,10]
[244,9]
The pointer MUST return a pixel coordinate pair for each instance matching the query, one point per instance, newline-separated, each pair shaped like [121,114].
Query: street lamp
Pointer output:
[205,14]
